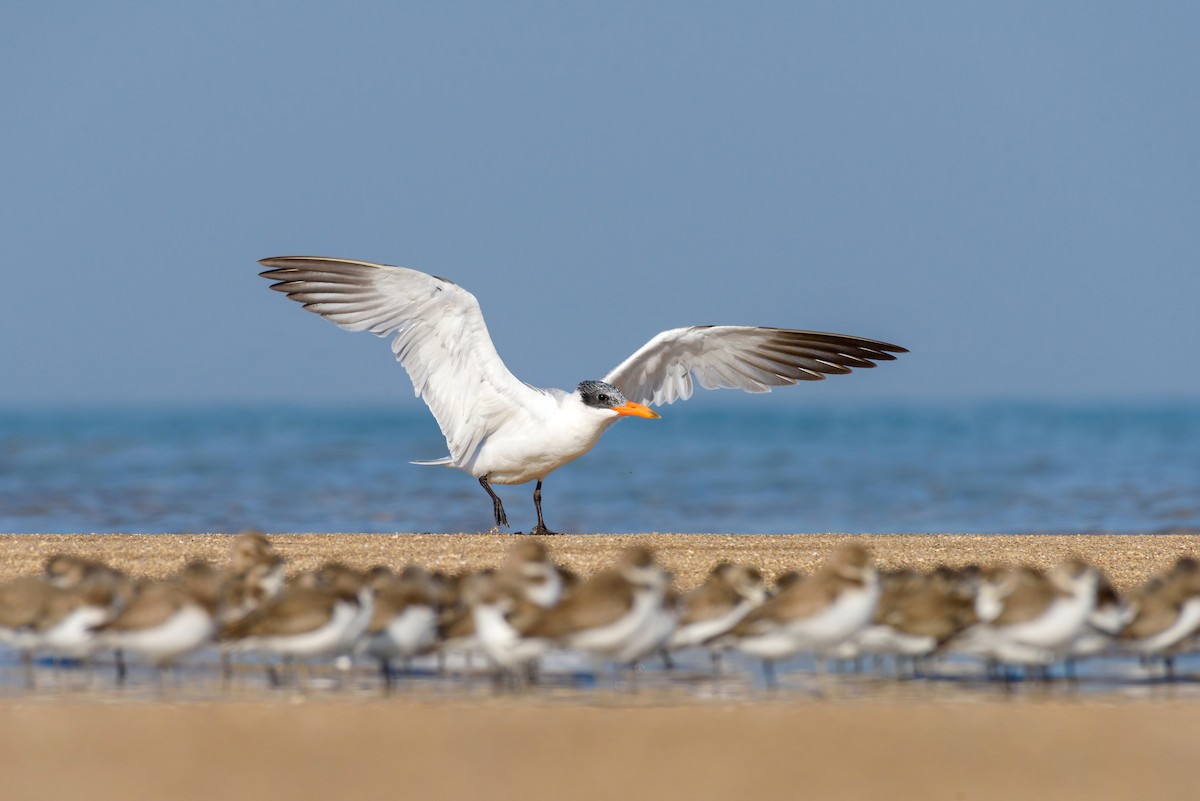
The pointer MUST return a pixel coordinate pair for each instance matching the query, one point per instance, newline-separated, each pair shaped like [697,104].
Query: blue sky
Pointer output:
[1010,190]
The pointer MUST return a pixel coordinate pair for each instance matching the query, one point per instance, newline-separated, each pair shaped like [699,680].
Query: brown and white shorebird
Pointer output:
[530,568]
[727,595]
[917,614]
[54,612]
[86,595]
[255,575]
[786,579]
[1111,614]
[1029,618]
[503,604]
[656,635]
[403,618]
[1166,614]
[166,620]
[21,603]
[253,550]
[68,571]
[614,614]
[504,618]
[319,617]
[812,614]
[503,431]
[457,638]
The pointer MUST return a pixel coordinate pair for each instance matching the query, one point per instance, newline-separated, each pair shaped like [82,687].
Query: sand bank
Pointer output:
[1128,560]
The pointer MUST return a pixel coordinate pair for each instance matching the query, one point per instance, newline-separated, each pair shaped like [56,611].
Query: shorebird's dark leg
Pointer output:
[162,678]
[540,528]
[497,504]
[769,678]
[226,669]
[119,655]
[27,664]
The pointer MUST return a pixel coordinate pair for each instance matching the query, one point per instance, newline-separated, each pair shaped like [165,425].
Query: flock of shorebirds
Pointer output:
[514,616]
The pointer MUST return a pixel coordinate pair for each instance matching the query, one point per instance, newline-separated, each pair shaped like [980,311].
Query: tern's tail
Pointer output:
[445,460]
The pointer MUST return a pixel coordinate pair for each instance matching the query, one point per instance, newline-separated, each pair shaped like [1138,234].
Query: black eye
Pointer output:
[603,398]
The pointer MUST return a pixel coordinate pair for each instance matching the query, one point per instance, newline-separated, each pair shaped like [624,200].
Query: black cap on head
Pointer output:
[600,395]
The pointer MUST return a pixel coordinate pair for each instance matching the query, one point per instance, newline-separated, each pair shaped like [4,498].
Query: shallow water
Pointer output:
[570,678]
[970,468]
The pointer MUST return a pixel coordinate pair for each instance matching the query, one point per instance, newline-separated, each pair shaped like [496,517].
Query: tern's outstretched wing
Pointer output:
[738,357]
[441,339]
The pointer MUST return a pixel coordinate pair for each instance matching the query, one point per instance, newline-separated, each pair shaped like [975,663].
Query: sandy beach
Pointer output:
[1127,560]
[1055,745]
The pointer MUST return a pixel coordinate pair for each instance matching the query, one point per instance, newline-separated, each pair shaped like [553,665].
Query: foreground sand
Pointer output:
[611,745]
[533,750]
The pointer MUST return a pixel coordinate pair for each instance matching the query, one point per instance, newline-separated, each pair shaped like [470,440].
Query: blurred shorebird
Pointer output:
[813,614]
[167,619]
[1165,614]
[727,595]
[617,614]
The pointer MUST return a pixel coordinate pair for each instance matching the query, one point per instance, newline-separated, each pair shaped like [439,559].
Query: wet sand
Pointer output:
[514,749]
[608,745]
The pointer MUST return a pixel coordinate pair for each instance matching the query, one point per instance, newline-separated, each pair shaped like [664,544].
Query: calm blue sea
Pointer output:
[987,468]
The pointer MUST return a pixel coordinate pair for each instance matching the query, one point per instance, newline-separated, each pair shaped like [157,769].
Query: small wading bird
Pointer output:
[504,431]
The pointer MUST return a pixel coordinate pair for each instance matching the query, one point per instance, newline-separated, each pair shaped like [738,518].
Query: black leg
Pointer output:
[226,669]
[769,678]
[540,528]
[27,664]
[497,505]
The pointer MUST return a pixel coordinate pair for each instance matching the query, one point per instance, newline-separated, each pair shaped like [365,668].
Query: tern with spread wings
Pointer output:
[504,431]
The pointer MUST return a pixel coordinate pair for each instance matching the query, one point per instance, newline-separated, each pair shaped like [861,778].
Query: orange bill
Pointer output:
[631,409]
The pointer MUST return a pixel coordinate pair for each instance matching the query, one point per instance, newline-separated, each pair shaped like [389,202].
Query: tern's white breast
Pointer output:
[534,442]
